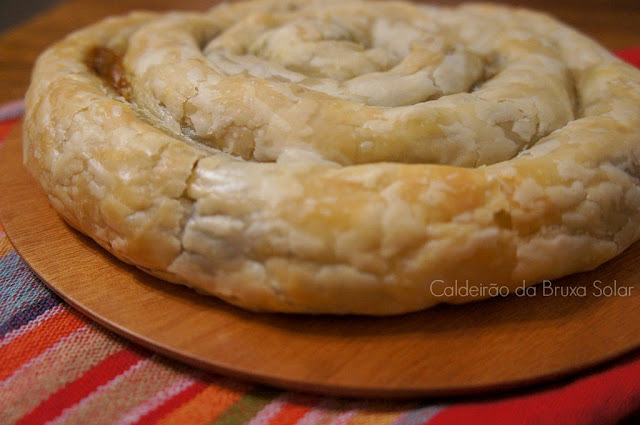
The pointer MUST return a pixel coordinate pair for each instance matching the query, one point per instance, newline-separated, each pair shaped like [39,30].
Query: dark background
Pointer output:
[14,12]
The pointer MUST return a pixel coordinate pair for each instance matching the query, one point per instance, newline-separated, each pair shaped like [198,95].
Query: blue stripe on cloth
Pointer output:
[27,314]
[19,286]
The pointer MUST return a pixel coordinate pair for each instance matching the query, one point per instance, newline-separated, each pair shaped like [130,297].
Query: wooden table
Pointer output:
[616,24]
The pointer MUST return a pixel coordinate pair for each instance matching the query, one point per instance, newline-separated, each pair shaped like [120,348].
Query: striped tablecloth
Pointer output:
[58,367]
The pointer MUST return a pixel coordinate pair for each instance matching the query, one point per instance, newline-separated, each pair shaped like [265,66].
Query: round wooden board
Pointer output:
[492,345]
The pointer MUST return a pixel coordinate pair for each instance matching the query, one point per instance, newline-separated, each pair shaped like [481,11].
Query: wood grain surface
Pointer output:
[482,347]
[615,23]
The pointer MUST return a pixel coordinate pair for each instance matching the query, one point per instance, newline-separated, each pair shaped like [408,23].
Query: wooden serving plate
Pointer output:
[486,346]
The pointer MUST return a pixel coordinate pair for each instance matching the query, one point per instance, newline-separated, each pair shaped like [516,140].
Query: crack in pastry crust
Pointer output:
[337,157]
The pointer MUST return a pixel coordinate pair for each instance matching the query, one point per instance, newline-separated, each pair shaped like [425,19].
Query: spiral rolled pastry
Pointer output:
[340,156]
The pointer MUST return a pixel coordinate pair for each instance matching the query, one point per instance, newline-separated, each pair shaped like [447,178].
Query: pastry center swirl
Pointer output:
[374,60]
[339,83]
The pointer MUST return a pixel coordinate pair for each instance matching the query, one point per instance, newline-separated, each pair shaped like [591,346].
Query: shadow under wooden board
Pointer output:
[476,348]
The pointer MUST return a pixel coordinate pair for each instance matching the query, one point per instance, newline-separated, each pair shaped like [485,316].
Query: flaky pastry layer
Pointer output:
[341,156]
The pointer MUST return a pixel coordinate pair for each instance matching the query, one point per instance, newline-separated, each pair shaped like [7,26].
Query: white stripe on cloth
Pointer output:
[318,412]
[53,311]
[344,417]
[104,387]
[270,410]
[55,346]
[135,414]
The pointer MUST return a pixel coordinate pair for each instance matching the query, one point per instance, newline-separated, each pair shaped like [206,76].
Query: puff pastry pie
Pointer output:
[340,156]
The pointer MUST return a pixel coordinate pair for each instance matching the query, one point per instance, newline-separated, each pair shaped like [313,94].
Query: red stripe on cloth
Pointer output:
[604,398]
[173,403]
[289,414]
[5,128]
[100,374]
[36,341]
[631,56]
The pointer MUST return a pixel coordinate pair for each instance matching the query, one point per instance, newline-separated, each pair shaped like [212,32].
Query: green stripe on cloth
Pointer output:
[247,407]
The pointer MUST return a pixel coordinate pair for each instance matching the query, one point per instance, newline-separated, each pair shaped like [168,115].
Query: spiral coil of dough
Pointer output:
[339,157]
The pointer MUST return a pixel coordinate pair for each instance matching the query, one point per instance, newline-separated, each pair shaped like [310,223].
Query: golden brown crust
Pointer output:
[339,157]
